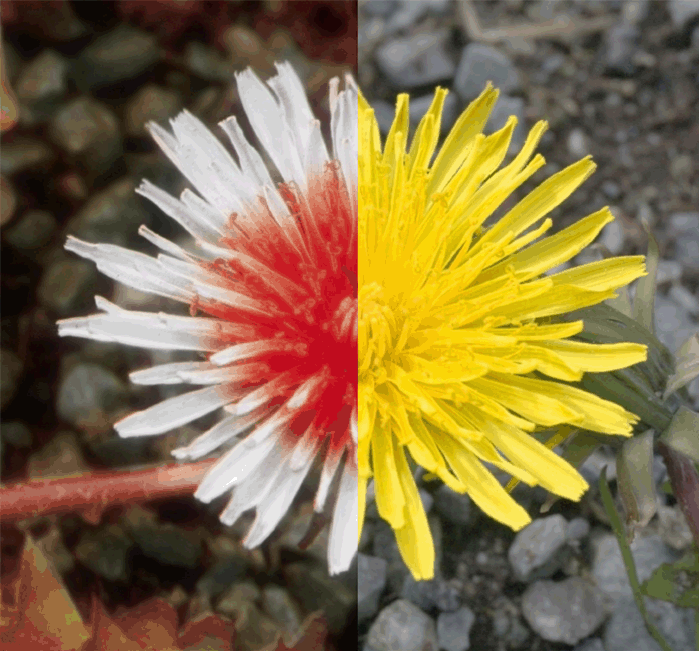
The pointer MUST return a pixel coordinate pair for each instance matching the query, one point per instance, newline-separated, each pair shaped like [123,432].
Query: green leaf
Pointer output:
[610,387]
[635,479]
[687,367]
[644,302]
[676,582]
[682,434]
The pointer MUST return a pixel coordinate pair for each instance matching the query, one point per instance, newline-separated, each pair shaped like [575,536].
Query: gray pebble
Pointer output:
[121,54]
[87,390]
[453,629]
[66,285]
[370,584]
[419,60]
[626,630]
[34,229]
[608,570]
[402,626]
[567,611]
[539,549]
[480,64]
[453,507]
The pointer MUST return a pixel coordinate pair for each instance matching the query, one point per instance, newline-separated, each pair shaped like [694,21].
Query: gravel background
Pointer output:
[88,76]
[618,80]
[621,83]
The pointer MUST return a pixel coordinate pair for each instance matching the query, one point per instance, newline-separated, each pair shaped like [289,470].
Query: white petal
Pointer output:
[330,466]
[342,545]
[251,491]
[276,502]
[234,467]
[195,223]
[223,431]
[167,373]
[174,412]
[133,269]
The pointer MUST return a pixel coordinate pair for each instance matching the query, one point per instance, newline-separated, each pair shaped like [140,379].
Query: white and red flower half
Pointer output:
[271,281]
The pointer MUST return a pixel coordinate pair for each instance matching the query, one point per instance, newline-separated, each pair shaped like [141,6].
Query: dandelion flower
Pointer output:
[271,282]
[461,353]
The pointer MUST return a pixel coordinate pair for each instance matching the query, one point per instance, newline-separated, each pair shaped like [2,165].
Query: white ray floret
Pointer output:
[234,195]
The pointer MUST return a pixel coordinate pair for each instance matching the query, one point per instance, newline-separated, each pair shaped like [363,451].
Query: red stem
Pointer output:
[93,492]
[685,485]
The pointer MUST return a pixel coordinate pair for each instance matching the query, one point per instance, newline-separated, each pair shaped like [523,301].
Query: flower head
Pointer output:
[461,351]
[273,277]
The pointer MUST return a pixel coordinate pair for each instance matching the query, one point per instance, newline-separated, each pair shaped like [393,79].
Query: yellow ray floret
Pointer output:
[461,351]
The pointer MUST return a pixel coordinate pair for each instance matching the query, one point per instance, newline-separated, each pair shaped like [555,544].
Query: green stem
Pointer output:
[627,556]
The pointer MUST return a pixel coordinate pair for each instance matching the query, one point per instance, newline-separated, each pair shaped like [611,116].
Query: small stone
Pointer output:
[567,611]
[163,542]
[151,103]
[208,63]
[61,456]
[34,229]
[87,393]
[539,549]
[43,79]
[683,12]
[123,53]
[11,367]
[8,201]
[110,216]
[674,529]
[315,590]
[23,153]
[16,433]
[669,271]
[435,594]
[673,324]
[453,629]
[626,629]
[593,644]
[278,604]
[613,237]
[578,528]
[686,299]
[419,60]
[89,131]
[105,552]
[577,143]
[453,507]
[609,571]
[621,44]
[65,286]
[370,584]
[402,626]
[480,64]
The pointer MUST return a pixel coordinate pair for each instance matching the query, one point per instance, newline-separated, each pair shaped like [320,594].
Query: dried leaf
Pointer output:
[42,610]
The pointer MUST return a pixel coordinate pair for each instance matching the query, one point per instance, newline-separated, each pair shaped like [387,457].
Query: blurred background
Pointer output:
[618,79]
[80,81]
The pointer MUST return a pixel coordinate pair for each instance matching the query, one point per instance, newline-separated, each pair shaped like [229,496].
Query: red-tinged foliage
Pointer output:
[313,637]
[38,613]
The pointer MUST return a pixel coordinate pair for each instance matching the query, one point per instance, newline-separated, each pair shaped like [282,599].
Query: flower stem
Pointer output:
[92,493]
[685,485]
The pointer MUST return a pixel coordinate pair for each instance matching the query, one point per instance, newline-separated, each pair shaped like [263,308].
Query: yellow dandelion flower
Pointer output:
[461,356]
